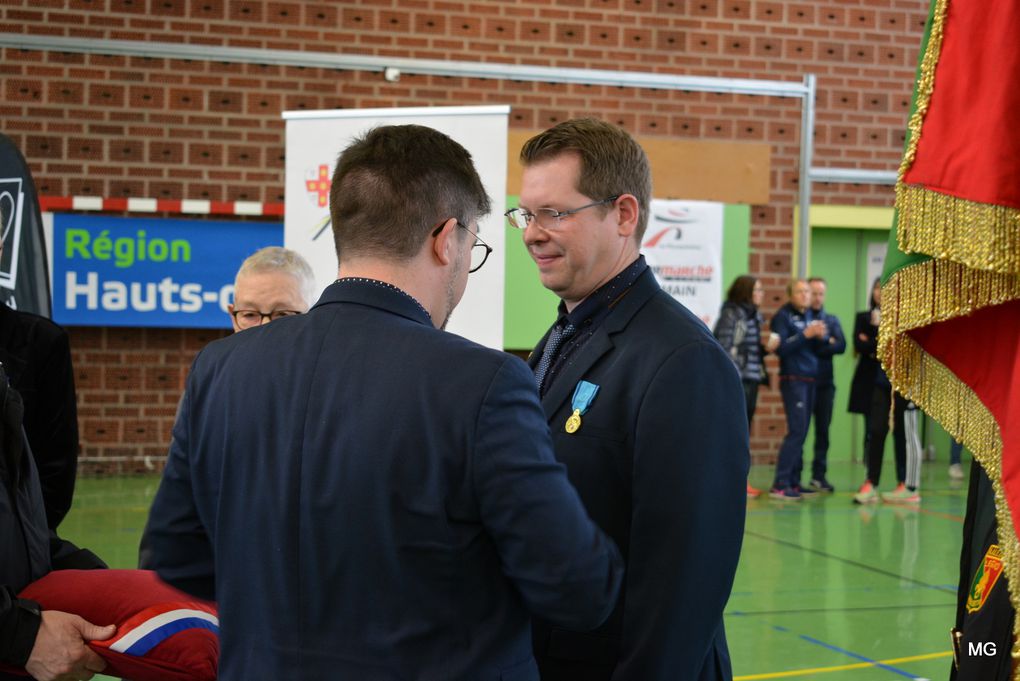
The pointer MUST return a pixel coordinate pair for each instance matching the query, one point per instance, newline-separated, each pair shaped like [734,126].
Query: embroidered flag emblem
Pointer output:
[985,578]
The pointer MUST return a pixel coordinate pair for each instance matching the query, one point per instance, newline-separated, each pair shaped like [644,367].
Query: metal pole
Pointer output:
[392,67]
[807,145]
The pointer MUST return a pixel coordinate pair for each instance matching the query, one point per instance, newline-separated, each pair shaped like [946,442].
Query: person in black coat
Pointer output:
[871,394]
[49,644]
[37,356]
[866,348]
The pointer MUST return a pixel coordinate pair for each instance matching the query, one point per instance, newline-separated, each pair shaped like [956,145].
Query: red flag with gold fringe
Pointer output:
[950,334]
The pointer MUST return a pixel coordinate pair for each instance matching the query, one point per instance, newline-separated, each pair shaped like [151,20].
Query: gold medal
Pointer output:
[574,422]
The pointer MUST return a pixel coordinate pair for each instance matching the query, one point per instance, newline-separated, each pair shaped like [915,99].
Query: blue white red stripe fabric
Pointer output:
[150,627]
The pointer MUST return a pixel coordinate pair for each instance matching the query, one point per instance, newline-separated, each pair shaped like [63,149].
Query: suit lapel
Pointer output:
[598,345]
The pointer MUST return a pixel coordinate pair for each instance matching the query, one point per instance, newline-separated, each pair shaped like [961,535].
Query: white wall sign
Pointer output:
[683,246]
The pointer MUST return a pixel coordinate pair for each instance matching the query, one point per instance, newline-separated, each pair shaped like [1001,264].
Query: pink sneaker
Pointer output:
[902,495]
[866,494]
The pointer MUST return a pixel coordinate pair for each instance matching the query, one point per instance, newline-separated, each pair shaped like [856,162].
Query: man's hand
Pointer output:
[815,329]
[60,653]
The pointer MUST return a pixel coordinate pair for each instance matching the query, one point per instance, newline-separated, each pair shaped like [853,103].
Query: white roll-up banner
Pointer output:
[683,246]
[315,140]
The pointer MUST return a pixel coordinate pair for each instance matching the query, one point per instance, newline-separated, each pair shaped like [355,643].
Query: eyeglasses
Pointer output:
[248,318]
[548,218]
[479,251]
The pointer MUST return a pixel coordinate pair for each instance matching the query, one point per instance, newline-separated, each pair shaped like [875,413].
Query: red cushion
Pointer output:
[162,634]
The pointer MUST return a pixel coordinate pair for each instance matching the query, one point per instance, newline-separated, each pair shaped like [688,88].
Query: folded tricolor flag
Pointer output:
[162,634]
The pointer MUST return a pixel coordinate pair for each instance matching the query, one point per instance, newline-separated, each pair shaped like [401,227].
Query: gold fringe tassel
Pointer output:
[984,240]
[923,294]
[925,84]
[920,377]
[936,290]
[979,235]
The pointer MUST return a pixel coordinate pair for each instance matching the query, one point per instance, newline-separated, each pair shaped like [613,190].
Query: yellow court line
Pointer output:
[844,667]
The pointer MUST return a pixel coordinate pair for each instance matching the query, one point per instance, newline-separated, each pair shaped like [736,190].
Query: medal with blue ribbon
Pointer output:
[584,395]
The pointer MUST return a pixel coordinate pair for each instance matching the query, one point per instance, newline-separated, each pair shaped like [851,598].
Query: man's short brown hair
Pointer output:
[612,162]
[792,283]
[394,184]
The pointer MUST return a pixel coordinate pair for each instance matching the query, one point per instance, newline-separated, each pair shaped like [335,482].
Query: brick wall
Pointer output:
[129,382]
[141,127]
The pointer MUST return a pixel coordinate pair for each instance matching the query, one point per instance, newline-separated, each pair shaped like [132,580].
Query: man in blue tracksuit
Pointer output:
[832,343]
[800,334]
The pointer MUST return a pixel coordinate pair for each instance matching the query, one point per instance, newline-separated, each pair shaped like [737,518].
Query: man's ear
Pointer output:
[233,321]
[627,206]
[443,245]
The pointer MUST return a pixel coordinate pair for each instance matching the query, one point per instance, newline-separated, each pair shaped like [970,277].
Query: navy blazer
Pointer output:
[370,498]
[660,461]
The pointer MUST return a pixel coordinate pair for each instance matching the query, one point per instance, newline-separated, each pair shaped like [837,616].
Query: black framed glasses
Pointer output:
[479,251]
[548,218]
[248,318]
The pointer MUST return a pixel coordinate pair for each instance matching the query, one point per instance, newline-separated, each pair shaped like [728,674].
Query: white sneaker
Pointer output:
[956,472]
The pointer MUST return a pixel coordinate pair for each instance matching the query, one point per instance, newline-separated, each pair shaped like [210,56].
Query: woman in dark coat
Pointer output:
[866,348]
[739,331]
[871,394]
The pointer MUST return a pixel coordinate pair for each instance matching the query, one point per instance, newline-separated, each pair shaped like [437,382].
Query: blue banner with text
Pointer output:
[156,272]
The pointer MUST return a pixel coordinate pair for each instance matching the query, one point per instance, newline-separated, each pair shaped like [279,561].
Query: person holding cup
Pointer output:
[801,334]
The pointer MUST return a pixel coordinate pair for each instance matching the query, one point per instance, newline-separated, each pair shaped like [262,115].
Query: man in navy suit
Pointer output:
[647,413]
[366,496]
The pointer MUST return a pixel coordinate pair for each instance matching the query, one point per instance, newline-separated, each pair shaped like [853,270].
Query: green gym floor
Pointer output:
[825,589]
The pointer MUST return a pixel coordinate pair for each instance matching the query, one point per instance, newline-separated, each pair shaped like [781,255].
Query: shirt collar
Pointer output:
[378,294]
[603,298]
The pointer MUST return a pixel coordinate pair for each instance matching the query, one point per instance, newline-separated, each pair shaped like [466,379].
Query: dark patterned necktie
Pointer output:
[552,346]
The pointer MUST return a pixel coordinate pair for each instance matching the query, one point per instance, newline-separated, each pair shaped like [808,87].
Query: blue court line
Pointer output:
[848,561]
[848,653]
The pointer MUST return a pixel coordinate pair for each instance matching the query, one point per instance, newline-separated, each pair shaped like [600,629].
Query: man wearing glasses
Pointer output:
[365,496]
[646,411]
[272,283]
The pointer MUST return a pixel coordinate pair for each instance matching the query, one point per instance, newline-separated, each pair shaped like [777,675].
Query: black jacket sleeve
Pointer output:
[52,427]
[18,628]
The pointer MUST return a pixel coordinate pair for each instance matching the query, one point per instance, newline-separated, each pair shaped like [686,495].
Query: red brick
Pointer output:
[283,13]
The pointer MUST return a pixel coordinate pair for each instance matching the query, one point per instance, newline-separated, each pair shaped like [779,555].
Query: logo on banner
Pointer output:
[317,183]
[12,198]
[682,248]
[23,271]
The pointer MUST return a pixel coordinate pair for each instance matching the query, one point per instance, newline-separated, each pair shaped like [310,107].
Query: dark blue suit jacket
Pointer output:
[661,463]
[370,498]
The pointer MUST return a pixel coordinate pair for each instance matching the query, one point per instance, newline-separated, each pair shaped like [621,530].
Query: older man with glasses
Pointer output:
[272,283]
[643,405]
